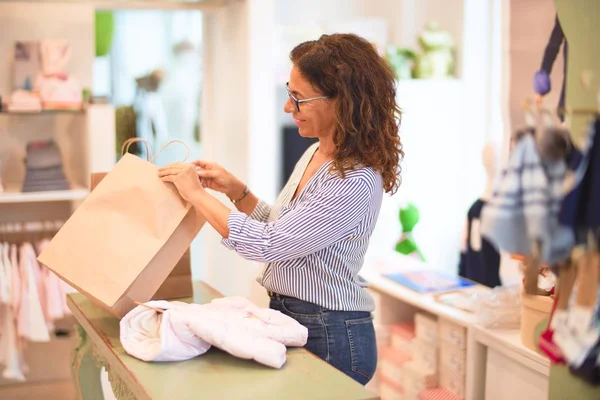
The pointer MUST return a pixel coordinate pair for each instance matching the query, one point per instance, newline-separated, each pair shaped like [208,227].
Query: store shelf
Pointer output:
[40,113]
[508,342]
[374,270]
[13,196]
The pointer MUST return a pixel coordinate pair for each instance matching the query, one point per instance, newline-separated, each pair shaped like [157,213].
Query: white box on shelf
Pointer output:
[452,333]
[425,354]
[453,357]
[426,328]
[416,378]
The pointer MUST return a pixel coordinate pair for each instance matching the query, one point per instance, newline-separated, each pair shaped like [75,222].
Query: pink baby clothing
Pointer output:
[152,336]
[233,324]
[55,290]
[9,342]
[16,279]
[32,323]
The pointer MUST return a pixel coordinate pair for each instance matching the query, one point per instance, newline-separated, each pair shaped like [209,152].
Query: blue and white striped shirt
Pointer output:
[314,245]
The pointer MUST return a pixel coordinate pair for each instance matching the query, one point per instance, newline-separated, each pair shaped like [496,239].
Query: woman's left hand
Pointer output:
[184,177]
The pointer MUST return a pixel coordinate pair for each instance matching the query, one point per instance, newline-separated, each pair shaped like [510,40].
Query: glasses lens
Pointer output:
[292,98]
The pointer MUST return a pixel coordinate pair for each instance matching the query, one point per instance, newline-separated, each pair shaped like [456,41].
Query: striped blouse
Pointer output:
[314,245]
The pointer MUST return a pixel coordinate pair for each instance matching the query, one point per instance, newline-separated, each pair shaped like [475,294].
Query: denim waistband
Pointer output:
[278,296]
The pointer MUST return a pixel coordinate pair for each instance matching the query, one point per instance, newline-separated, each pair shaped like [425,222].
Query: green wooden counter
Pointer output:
[214,375]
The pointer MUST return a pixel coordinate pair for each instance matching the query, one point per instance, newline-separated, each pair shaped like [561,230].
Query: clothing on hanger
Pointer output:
[524,208]
[32,298]
[9,343]
[480,262]
[579,209]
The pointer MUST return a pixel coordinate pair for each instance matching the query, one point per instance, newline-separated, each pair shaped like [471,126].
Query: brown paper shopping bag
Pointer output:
[179,282]
[125,238]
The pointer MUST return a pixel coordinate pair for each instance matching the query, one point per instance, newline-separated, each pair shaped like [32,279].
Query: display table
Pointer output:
[498,366]
[214,375]
[503,368]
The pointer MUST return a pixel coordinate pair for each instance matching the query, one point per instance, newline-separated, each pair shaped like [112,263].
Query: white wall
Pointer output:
[446,123]
[238,126]
[406,18]
[34,21]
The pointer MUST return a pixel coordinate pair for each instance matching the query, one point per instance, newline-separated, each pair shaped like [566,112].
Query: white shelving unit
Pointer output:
[13,196]
[86,140]
[498,365]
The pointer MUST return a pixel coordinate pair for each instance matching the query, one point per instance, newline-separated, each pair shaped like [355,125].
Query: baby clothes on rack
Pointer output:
[1,186]
[44,168]
[32,298]
[577,327]
[233,324]
[579,209]
[524,209]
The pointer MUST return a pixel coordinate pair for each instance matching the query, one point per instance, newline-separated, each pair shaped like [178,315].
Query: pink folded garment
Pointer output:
[152,336]
[233,324]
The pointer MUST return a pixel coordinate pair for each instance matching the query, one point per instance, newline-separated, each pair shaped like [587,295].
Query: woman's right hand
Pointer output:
[215,177]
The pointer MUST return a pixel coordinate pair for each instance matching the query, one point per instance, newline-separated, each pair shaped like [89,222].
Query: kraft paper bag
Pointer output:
[125,238]
[179,282]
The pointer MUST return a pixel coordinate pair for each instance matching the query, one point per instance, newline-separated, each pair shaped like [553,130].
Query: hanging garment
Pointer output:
[32,324]
[524,208]
[56,289]
[579,209]
[576,329]
[9,342]
[16,279]
[5,280]
[480,262]
[233,324]
[541,79]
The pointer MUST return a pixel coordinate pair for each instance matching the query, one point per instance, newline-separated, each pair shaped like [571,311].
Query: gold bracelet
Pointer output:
[244,194]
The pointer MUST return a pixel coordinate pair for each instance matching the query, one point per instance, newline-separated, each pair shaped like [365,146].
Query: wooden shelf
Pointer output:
[10,196]
[43,112]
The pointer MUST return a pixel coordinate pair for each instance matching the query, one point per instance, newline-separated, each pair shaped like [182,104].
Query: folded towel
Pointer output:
[233,324]
[524,208]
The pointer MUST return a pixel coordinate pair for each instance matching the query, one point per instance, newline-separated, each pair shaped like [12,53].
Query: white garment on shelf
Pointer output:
[233,324]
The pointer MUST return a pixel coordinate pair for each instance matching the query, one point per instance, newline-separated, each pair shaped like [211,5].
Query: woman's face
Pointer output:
[316,118]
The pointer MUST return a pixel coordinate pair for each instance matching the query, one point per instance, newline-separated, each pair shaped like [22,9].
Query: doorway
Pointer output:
[148,65]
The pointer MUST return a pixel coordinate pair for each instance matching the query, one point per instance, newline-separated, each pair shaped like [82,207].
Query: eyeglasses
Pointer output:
[296,102]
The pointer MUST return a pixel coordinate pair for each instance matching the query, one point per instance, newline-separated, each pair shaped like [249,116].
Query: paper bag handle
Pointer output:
[127,143]
[169,143]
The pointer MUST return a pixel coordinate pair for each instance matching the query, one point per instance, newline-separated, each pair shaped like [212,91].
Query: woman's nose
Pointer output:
[288,107]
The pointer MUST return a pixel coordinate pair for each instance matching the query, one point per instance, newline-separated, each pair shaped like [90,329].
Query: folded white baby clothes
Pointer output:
[233,324]
[152,336]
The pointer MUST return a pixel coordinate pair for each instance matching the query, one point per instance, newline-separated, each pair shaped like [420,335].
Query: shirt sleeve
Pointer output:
[330,215]
[261,212]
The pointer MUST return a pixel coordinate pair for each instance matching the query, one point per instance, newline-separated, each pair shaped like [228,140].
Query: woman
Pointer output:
[313,240]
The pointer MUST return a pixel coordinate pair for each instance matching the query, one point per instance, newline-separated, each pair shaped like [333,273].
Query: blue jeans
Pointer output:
[344,339]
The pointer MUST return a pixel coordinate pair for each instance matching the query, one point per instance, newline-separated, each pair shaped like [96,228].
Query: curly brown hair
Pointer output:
[347,68]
